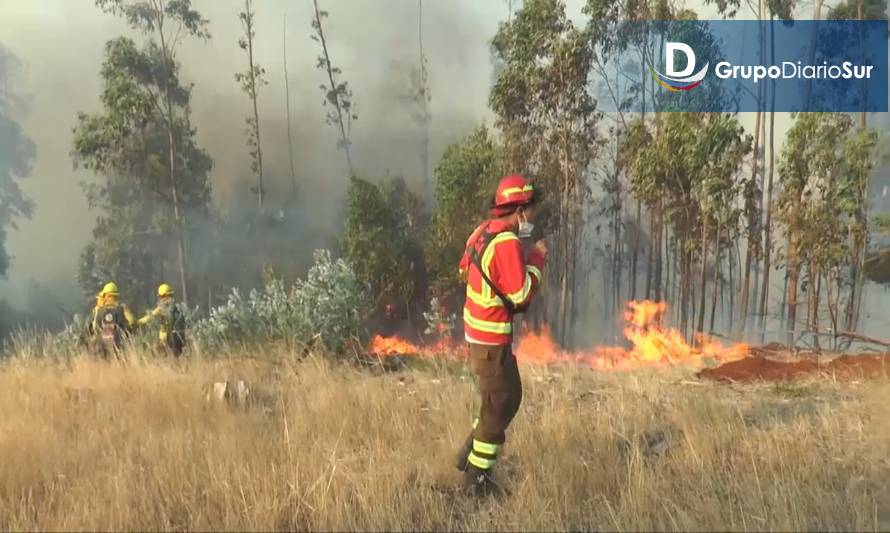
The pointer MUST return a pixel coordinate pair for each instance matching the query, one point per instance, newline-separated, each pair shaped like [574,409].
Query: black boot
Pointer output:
[479,483]
[463,454]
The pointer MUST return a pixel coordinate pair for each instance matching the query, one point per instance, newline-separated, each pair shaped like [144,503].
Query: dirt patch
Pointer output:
[759,368]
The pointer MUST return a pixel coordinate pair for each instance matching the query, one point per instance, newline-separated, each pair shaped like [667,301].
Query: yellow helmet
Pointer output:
[110,288]
[165,290]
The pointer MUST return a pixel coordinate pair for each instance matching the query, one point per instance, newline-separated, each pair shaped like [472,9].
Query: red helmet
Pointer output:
[514,190]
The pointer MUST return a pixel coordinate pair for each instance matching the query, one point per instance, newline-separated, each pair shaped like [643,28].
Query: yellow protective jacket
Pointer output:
[111,304]
[170,318]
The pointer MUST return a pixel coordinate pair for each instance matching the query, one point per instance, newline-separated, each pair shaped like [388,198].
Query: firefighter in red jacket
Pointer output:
[502,275]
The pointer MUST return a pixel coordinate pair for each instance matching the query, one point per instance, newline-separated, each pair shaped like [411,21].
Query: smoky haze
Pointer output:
[60,44]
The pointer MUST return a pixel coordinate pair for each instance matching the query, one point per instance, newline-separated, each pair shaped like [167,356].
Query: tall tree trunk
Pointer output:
[290,143]
[565,241]
[617,251]
[659,257]
[330,71]
[752,227]
[684,297]
[177,216]
[636,252]
[717,276]
[700,328]
[732,251]
[174,190]
[861,250]
[793,281]
[767,228]
[253,98]
[817,298]
[650,257]
[662,259]
[817,14]
[424,95]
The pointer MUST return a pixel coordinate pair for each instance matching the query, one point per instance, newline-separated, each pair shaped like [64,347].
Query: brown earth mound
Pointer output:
[759,368]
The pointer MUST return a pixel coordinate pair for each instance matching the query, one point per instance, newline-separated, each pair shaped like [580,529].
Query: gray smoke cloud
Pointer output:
[60,44]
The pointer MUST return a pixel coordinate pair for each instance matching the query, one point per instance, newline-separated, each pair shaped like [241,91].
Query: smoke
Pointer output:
[61,45]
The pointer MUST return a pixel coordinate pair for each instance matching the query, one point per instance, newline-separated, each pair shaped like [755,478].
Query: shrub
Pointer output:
[326,309]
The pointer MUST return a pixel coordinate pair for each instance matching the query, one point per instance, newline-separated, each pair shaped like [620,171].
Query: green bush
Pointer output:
[325,310]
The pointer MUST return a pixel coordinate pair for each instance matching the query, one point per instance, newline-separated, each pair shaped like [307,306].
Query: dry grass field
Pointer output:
[87,445]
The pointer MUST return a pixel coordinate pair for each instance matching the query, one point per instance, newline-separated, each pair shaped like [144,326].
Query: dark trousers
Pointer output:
[500,389]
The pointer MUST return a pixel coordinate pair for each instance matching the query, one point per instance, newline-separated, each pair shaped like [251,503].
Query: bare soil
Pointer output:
[761,368]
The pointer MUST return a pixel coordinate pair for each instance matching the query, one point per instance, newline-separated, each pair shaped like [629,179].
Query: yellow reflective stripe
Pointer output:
[510,190]
[503,328]
[536,271]
[488,256]
[519,296]
[481,300]
[484,447]
[480,462]
[475,423]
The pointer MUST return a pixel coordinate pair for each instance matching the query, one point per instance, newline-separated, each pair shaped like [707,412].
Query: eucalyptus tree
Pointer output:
[165,23]
[543,107]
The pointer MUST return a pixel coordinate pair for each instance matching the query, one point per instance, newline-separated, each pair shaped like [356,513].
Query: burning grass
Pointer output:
[652,344]
[335,448]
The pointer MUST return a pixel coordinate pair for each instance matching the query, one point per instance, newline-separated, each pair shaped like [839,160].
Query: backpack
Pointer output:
[109,324]
[174,324]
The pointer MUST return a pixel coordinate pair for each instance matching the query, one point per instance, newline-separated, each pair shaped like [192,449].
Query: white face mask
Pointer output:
[525,229]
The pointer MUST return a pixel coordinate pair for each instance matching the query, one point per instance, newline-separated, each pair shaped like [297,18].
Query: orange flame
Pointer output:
[651,344]
[387,346]
[383,346]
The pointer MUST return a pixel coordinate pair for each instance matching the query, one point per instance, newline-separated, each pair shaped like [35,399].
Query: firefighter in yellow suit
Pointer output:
[171,320]
[111,321]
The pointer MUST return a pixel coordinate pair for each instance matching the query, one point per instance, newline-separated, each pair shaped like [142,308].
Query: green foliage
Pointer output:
[819,197]
[325,310]
[549,120]
[691,167]
[849,10]
[882,223]
[149,16]
[127,144]
[17,153]
[541,97]
[337,93]
[466,178]
[877,266]
[251,80]
[383,239]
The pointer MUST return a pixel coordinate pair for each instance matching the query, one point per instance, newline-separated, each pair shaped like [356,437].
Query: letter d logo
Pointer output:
[679,80]
[669,52]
